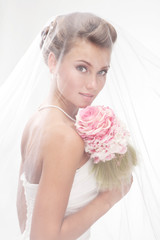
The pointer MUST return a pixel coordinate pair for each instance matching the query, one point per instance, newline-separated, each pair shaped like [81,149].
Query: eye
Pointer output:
[103,72]
[81,68]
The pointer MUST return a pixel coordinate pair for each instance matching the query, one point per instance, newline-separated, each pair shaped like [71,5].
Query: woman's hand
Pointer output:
[111,197]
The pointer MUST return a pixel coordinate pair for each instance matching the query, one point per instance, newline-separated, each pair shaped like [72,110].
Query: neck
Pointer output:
[58,100]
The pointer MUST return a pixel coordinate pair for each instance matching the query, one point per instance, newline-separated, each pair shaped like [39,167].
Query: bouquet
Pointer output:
[107,141]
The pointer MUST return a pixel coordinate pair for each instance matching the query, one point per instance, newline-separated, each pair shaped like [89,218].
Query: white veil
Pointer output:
[133,91]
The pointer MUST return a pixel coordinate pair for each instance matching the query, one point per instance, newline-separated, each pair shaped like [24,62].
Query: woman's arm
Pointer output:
[76,224]
[21,202]
[62,152]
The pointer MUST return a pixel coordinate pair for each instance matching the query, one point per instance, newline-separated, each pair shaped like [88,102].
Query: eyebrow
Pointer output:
[107,66]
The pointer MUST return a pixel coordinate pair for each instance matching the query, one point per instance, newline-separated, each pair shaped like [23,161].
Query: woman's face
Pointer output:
[82,73]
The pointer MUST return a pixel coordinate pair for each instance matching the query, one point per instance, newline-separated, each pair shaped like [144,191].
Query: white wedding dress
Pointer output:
[84,189]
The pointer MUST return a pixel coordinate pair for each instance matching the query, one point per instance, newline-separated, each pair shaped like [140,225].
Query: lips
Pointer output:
[87,95]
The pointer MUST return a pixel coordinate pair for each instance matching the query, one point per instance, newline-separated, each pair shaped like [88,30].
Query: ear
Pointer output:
[52,62]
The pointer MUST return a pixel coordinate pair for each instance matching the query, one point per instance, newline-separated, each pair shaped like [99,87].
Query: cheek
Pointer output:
[74,80]
[68,83]
[101,84]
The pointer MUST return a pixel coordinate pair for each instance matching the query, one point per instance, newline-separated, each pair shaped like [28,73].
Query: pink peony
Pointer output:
[103,133]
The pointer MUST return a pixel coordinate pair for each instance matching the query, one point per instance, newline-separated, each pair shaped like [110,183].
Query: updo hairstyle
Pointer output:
[60,36]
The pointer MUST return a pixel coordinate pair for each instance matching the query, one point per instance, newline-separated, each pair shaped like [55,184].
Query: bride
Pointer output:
[57,196]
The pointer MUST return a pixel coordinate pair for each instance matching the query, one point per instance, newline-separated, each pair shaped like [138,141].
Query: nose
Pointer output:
[91,82]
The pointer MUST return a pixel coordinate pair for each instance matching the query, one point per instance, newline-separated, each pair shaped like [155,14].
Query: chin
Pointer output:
[84,105]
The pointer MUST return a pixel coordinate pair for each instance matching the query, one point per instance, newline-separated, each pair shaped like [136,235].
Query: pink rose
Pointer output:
[103,134]
[93,122]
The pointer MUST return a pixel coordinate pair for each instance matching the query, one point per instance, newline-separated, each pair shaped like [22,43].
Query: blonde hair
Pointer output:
[116,172]
[62,33]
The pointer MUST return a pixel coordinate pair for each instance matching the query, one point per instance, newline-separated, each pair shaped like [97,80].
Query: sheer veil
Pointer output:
[133,91]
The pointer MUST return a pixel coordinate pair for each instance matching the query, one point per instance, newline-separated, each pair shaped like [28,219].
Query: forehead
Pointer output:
[85,50]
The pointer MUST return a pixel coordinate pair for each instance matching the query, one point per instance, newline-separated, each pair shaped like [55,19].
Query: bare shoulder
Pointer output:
[53,142]
[62,142]
[62,134]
